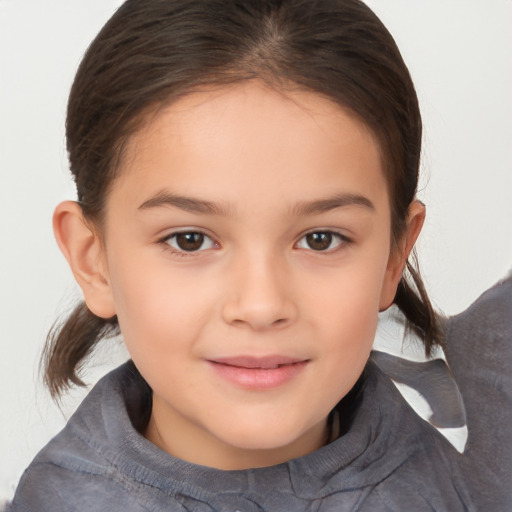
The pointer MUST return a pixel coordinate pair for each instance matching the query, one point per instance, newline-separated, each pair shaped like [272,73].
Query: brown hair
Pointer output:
[152,52]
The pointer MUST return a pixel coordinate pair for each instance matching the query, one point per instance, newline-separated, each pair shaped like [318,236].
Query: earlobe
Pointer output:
[83,249]
[398,257]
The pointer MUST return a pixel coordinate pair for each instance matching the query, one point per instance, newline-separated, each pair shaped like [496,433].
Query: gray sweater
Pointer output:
[389,460]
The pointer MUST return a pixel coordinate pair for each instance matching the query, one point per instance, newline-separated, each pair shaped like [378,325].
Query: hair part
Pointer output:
[152,52]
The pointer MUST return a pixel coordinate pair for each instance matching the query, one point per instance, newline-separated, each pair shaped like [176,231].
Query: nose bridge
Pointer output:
[260,296]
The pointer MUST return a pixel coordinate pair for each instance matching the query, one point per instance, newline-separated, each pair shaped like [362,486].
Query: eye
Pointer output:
[321,241]
[190,241]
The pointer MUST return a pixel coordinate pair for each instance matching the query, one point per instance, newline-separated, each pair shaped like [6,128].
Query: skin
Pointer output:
[269,164]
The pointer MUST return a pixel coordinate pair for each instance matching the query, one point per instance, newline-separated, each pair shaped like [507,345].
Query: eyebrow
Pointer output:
[204,207]
[188,204]
[331,203]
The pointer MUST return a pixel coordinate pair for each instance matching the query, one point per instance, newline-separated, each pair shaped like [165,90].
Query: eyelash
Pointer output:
[342,240]
[332,235]
[183,252]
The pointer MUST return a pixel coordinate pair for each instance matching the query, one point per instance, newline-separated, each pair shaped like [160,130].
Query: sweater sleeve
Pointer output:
[479,352]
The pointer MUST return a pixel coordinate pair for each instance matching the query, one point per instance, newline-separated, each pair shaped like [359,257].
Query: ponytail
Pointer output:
[412,300]
[69,344]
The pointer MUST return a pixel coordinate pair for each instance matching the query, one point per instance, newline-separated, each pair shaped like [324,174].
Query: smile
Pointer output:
[258,373]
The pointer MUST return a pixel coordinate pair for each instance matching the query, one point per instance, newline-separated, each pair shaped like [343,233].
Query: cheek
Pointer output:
[157,308]
[348,332]
[344,309]
[349,292]
[350,320]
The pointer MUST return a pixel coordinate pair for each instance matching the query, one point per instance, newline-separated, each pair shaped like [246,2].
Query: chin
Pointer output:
[282,438]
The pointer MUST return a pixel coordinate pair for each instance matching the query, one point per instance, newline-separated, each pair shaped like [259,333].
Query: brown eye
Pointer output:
[321,241]
[190,241]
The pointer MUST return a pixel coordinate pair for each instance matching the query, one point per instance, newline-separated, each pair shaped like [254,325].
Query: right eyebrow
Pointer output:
[189,204]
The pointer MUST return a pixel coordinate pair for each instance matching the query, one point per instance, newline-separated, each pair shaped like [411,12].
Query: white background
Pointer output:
[460,55]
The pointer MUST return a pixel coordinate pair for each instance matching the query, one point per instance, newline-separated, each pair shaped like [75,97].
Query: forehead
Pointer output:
[251,139]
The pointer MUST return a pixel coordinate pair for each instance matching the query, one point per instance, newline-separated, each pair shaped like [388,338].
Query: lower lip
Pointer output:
[258,378]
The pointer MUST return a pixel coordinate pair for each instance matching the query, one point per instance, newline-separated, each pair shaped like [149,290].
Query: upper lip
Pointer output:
[265,362]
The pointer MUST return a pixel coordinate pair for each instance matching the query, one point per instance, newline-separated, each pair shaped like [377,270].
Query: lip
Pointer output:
[258,373]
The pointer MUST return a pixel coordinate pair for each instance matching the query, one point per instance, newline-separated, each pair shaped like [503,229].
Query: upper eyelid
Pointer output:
[179,231]
[344,241]
[333,231]
[164,242]
[208,234]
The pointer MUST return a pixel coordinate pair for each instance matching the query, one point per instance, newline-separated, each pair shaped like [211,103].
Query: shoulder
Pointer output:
[79,469]
[51,486]
[479,352]
[479,340]
[486,323]
[404,463]
[479,343]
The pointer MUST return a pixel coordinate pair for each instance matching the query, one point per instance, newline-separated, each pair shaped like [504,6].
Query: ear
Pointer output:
[83,249]
[398,257]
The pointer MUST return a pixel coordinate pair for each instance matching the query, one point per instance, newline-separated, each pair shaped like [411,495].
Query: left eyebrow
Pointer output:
[331,203]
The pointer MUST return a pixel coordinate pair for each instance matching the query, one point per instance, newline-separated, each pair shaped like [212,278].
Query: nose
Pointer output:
[260,295]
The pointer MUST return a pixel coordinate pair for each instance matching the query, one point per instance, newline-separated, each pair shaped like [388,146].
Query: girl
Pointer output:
[246,175]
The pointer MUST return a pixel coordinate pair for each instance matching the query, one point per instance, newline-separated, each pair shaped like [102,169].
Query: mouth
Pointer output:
[263,363]
[258,373]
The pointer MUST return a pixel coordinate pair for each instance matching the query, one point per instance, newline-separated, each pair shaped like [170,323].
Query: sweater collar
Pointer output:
[379,440]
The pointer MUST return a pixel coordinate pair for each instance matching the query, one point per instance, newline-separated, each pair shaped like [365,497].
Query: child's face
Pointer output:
[282,257]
